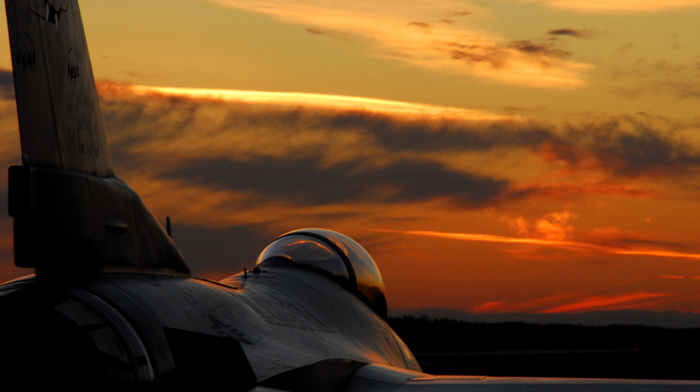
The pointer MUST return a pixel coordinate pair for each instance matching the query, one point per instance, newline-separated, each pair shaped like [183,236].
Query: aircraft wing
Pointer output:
[375,378]
[379,378]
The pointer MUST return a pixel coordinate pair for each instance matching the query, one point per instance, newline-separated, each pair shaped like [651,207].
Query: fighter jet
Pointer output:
[111,299]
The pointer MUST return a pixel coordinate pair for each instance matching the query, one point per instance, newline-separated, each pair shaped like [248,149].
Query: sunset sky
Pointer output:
[492,156]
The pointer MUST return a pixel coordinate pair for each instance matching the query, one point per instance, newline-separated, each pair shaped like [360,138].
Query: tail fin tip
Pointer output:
[61,125]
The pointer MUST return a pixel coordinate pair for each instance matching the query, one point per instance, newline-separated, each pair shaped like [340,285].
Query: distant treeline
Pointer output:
[428,335]
[445,346]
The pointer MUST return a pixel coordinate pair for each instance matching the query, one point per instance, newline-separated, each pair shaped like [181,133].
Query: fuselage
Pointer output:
[282,319]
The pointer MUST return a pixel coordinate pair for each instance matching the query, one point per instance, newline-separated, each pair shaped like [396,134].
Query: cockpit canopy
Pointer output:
[333,253]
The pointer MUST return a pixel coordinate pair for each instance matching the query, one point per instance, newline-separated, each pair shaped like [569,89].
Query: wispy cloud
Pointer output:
[415,32]
[581,246]
[621,5]
[375,144]
[553,226]
[566,31]
[665,78]
[603,302]
[307,181]
[571,302]
[626,146]
[327,101]
[533,305]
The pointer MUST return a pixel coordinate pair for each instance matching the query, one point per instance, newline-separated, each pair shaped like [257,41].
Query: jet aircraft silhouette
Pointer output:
[112,300]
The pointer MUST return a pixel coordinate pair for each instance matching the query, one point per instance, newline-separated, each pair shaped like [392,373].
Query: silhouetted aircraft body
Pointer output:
[113,300]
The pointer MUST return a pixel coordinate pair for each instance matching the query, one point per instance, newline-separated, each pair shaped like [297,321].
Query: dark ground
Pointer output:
[445,346]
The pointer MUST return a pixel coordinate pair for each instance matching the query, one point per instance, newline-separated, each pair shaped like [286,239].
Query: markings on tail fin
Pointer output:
[61,124]
[73,66]
[78,140]
[53,14]
[26,52]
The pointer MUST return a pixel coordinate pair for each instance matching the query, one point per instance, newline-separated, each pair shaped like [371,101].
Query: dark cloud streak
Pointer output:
[421,25]
[569,32]
[501,56]
[446,136]
[343,36]
[309,170]
[538,49]
[309,182]
[630,148]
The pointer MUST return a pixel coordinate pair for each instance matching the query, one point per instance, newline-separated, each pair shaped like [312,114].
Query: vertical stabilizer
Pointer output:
[72,216]
[60,122]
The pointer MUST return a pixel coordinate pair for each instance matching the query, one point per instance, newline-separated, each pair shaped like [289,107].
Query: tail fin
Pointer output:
[61,125]
[72,216]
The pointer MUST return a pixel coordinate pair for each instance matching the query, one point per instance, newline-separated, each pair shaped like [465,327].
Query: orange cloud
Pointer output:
[552,226]
[523,306]
[327,101]
[414,33]
[564,244]
[622,5]
[488,307]
[599,302]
